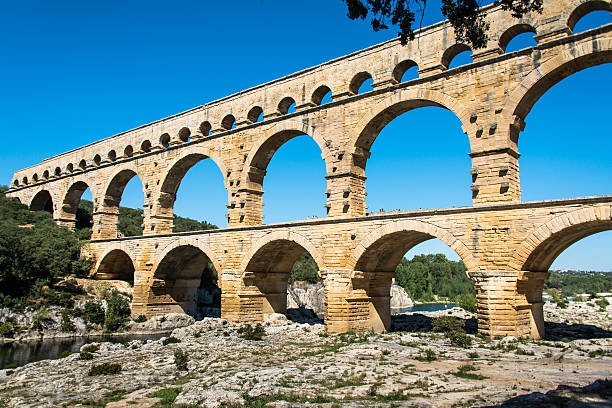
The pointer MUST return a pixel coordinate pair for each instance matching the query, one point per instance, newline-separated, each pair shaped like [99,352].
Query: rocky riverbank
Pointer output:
[299,365]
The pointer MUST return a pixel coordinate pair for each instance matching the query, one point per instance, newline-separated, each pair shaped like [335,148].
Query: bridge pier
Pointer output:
[510,303]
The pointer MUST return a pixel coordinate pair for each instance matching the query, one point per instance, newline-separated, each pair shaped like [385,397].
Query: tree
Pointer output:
[464,16]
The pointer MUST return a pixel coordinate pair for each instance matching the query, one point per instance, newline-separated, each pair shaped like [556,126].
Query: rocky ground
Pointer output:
[299,365]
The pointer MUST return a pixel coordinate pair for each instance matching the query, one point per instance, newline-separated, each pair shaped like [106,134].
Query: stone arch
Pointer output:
[172,179]
[146,146]
[395,239]
[287,240]
[128,151]
[511,32]
[267,268]
[538,82]
[228,122]
[319,94]
[397,103]
[176,277]
[184,134]
[42,201]
[115,263]
[182,242]
[254,114]
[537,252]
[401,68]
[451,52]
[358,80]
[205,128]
[70,202]
[285,104]
[113,193]
[581,8]
[274,137]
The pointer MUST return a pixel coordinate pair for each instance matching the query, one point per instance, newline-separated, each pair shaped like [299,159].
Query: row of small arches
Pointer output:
[362,82]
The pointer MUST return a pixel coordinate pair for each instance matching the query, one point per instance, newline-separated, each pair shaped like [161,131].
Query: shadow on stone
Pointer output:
[417,322]
[595,395]
[303,315]
[558,331]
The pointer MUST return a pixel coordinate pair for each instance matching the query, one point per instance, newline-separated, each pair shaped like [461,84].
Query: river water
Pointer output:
[21,353]
[425,307]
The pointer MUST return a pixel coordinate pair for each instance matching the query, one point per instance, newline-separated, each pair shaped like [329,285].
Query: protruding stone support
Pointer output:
[509,303]
[140,294]
[246,209]
[495,176]
[370,301]
[345,195]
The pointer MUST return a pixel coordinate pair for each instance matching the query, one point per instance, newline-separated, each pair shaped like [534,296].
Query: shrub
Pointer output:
[117,312]
[180,360]
[104,369]
[67,325]
[167,395]
[39,318]
[84,355]
[170,340]
[7,329]
[140,319]
[90,348]
[93,313]
[453,330]
[249,332]
[427,355]
[467,371]
[64,354]
[467,302]
[602,303]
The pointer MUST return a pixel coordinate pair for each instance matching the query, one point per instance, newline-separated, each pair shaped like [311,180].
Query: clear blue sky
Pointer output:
[74,72]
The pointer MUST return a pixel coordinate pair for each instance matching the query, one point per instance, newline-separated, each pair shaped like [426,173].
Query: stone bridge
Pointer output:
[506,245]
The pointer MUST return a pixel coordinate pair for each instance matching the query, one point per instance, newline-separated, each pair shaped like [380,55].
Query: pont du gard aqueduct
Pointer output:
[507,245]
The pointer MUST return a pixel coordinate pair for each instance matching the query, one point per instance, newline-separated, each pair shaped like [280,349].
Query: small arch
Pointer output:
[284,106]
[24,180]
[451,52]
[97,159]
[164,140]
[82,164]
[35,177]
[357,82]
[401,74]
[42,201]
[228,122]
[70,167]
[184,134]
[585,8]
[57,172]
[128,151]
[112,155]
[512,33]
[145,146]
[45,174]
[116,264]
[255,114]
[16,183]
[321,94]
[205,128]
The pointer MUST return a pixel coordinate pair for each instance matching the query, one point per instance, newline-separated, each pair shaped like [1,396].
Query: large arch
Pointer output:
[376,258]
[113,193]
[172,179]
[116,263]
[587,54]
[42,201]
[397,103]
[545,243]
[267,267]
[176,278]
[581,8]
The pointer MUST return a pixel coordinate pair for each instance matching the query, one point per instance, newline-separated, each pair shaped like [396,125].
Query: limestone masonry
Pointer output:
[506,245]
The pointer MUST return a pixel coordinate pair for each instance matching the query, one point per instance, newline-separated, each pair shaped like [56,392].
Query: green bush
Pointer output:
[7,329]
[249,332]
[64,354]
[117,312]
[467,302]
[83,355]
[90,348]
[453,330]
[170,340]
[66,324]
[140,319]
[93,313]
[104,369]
[180,360]
[602,303]
[427,355]
[167,395]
